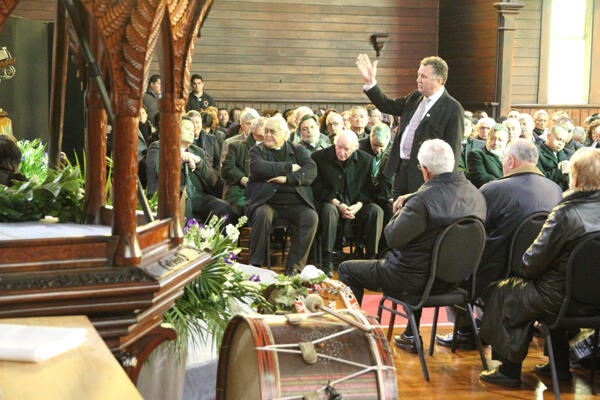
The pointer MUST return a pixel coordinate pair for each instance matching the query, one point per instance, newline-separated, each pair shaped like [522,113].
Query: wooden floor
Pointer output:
[456,376]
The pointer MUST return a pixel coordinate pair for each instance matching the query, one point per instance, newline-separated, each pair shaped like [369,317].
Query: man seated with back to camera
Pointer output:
[539,288]
[279,187]
[522,191]
[344,190]
[419,217]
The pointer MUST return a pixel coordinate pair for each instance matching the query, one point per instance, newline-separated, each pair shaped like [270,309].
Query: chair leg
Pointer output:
[418,341]
[593,360]
[268,251]
[454,335]
[433,330]
[283,243]
[548,340]
[392,321]
[380,309]
[477,338]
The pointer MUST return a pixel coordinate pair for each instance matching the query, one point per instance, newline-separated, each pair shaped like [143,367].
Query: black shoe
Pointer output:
[327,268]
[464,341]
[545,370]
[406,343]
[498,378]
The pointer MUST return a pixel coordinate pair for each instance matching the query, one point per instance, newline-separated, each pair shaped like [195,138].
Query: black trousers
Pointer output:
[400,186]
[205,205]
[370,217]
[303,226]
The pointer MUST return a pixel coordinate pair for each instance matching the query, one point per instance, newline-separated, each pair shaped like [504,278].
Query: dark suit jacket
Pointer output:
[382,183]
[484,167]
[445,120]
[209,144]
[467,146]
[194,103]
[509,201]
[329,184]
[152,168]
[264,167]
[235,167]
[321,144]
[548,164]
[203,178]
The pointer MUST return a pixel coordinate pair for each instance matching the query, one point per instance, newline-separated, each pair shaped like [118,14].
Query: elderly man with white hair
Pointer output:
[527,126]
[444,198]
[242,131]
[345,191]
[281,174]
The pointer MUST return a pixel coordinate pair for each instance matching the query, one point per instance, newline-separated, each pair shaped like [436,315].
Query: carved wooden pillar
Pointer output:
[95,155]
[169,174]
[125,169]
[59,84]
[178,32]
[95,143]
[507,25]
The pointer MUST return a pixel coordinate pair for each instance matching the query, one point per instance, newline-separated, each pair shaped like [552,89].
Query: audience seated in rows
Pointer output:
[539,288]
[521,192]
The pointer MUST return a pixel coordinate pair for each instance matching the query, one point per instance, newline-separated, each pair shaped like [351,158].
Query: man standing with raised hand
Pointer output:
[426,113]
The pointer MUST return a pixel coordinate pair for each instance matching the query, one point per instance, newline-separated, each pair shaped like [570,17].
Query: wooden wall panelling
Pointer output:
[283,52]
[467,41]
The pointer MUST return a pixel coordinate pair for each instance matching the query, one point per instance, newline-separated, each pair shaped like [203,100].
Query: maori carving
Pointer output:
[129,29]
[104,277]
[6,7]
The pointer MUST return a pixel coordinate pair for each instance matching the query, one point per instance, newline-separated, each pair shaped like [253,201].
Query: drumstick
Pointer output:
[314,302]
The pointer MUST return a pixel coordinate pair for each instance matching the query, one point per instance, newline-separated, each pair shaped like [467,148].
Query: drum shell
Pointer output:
[248,373]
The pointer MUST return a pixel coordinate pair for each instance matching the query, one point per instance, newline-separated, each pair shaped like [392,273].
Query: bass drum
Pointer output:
[304,356]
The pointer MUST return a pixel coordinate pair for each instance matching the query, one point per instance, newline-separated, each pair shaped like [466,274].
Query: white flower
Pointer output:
[207,233]
[232,233]
[310,272]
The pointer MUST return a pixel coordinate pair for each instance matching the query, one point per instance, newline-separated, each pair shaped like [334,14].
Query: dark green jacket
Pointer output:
[548,164]
[484,167]
[329,183]
[467,146]
[235,167]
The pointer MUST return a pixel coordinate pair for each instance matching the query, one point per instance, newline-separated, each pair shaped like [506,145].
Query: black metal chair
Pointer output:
[522,238]
[282,225]
[583,278]
[454,259]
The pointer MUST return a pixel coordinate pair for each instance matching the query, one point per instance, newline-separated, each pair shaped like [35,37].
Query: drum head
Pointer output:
[243,382]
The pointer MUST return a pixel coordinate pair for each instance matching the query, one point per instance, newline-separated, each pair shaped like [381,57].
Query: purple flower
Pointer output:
[230,258]
[185,230]
[255,278]
[225,217]
[191,222]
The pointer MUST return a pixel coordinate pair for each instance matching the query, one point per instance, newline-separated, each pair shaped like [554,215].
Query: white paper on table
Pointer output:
[37,343]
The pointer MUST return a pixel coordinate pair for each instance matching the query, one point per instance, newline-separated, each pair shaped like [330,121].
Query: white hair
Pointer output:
[258,122]
[491,121]
[381,131]
[522,150]
[349,135]
[248,114]
[280,125]
[300,112]
[540,112]
[436,155]
[332,115]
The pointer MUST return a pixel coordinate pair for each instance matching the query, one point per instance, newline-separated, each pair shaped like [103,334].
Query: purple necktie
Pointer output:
[409,133]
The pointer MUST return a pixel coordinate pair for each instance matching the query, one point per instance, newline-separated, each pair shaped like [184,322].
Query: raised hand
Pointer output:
[367,69]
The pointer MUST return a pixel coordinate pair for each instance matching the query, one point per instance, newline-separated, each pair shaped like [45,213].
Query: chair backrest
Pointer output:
[583,274]
[457,250]
[522,238]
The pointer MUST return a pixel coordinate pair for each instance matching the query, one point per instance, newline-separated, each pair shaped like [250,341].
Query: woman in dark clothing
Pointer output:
[539,289]
[10,158]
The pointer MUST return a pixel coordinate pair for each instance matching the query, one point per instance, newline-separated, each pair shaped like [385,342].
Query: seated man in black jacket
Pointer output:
[198,178]
[444,198]
[539,288]
[236,167]
[554,158]
[344,189]
[485,165]
[279,187]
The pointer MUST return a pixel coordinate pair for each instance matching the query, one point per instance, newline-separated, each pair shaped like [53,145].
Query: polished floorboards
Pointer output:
[456,376]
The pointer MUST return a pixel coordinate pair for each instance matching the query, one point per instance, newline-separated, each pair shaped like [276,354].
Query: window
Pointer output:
[570,52]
